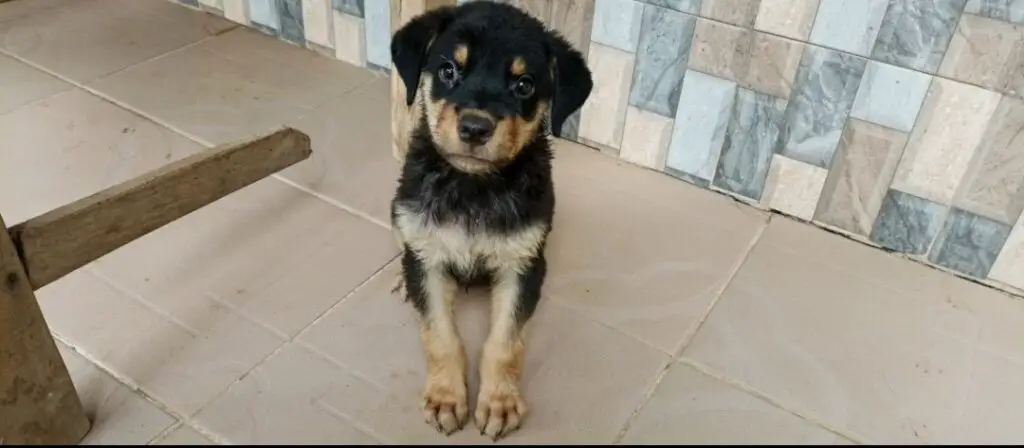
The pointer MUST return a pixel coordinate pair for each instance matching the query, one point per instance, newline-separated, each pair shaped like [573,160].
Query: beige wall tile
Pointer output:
[793,187]
[736,12]
[713,50]
[950,126]
[604,114]
[861,171]
[755,60]
[216,4]
[237,11]
[574,19]
[1009,265]
[981,51]
[349,39]
[993,185]
[646,138]
[790,18]
[541,9]
[316,19]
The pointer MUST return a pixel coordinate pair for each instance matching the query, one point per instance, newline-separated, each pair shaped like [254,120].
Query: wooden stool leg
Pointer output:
[38,402]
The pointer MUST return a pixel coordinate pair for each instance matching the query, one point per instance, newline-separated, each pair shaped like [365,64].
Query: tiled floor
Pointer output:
[672,315]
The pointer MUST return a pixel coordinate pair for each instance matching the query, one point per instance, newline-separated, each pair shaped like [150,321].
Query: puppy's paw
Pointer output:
[445,406]
[500,409]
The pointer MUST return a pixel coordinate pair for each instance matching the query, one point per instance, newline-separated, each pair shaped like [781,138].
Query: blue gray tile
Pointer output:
[890,96]
[1006,10]
[617,23]
[290,13]
[377,20]
[350,7]
[703,183]
[661,60]
[264,14]
[915,33]
[705,105]
[571,127]
[907,223]
[194,3]
[826,85]
[687,6]
[848,25]
[754,128]
[969,243]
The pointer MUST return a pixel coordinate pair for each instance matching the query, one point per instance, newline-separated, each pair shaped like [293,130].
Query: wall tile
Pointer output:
[950,126]
[661,60]
[215,4]
[907,223]
[264,13]
[237,11]
[687,6]
[539,9]
[790,18]
[755,60]
[571,127]
[617,23]
[737,12]
[826,86]
[291,17]
[350,40]
[377,22]
[793,187]
[859,178]
[705,105]
[981,52]
[1006,10]
[915,33]
[1013,84]
[968,243]
[754,127]
[993,185]
[351,7]
[574,19]
[317,17]
[849,25]
[645,139]
[603,115]
[193,3]
[890,96]
[1009,265]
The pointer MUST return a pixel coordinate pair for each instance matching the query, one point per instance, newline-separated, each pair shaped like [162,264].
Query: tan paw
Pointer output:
[499,410]
[445,406]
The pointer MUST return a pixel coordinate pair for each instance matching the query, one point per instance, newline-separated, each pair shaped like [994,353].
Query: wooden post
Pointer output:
[38,402]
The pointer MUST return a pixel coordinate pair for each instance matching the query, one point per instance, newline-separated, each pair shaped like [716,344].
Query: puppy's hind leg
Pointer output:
[432,292]
[500,408]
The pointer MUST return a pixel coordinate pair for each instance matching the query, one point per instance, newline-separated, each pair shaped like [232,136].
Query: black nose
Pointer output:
[475,129]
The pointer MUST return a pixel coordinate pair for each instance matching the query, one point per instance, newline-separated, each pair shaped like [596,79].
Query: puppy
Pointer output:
[475,198]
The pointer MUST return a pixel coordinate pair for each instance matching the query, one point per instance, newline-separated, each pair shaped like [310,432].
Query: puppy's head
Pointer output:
[489,75]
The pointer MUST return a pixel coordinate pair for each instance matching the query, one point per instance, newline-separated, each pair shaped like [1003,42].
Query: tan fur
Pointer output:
[445,403]
[461,54]
[500,407]
[518,67]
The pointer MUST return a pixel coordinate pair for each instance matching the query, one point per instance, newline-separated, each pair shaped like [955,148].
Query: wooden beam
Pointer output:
[56,243]
[38,402]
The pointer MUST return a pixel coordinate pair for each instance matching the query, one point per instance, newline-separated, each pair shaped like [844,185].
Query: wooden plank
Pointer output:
[38,402]
[56,243]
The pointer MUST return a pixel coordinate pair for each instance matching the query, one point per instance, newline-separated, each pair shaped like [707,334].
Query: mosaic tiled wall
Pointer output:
[898,122]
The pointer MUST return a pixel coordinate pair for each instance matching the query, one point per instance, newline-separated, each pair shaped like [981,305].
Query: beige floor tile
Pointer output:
[654,283]
[86,39]
[269,252]
[183,435]
[24,84]
[581,379]
[119,416]
[351,161]
[689,407]
[74,144]
[13,10]
[180,367]
[885,349]
[233,86]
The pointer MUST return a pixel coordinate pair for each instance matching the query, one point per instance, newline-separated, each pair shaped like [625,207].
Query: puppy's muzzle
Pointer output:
[475,130]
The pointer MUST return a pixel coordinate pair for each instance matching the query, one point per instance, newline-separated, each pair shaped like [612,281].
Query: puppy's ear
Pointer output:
[410,44]
[572,82]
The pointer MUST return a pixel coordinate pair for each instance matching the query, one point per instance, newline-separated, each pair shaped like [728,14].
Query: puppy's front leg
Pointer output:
[500,407]
[432,291]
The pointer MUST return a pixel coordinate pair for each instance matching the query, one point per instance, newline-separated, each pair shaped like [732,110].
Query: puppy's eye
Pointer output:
[523,87]
[448,73]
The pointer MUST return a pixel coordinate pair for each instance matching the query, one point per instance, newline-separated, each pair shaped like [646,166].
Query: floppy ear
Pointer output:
[572,82]
[410,43]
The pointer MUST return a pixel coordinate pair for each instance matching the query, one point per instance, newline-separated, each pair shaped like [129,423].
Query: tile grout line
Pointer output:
[688,337]
[162,435]
[707,370]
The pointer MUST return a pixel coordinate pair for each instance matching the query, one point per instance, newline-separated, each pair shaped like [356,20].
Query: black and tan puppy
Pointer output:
[475,199]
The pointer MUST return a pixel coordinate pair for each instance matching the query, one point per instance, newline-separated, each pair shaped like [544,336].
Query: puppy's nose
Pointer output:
[475,129]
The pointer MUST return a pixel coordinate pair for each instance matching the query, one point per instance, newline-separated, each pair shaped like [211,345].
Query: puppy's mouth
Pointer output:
[469,163]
